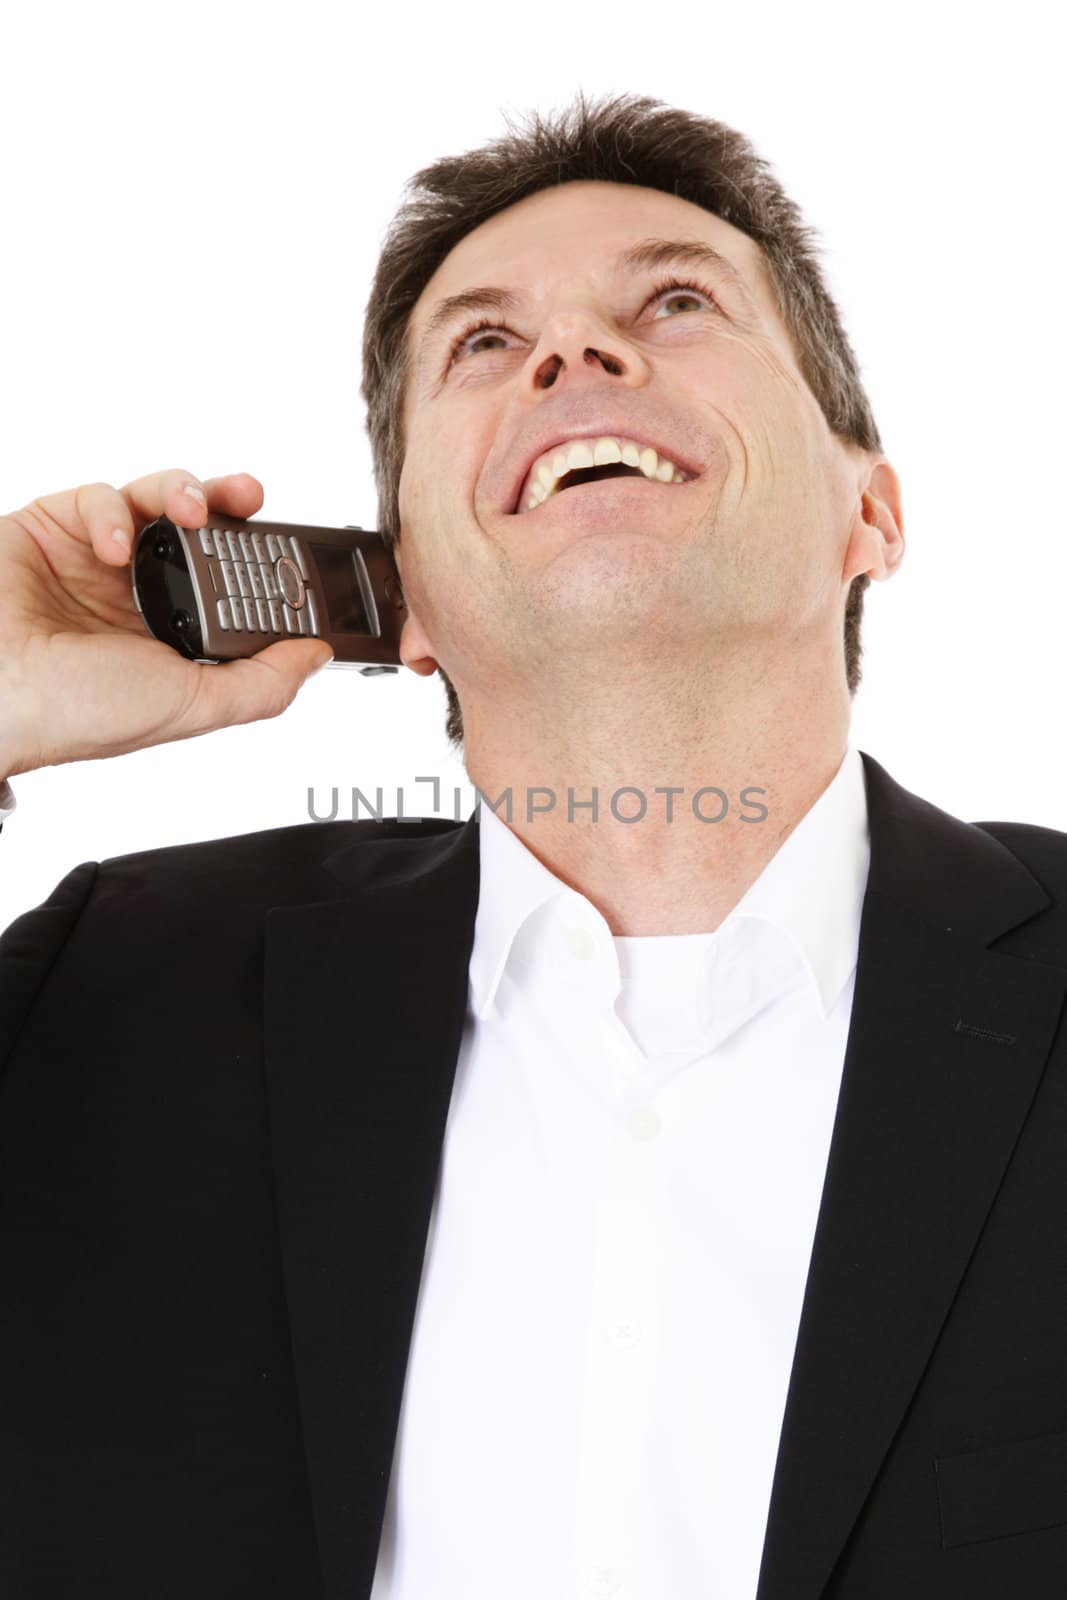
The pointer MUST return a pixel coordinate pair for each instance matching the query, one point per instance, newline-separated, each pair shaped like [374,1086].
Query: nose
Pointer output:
[571,354]
[549,369]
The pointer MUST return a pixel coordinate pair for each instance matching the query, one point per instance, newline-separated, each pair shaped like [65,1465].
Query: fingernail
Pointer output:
[121,537]
[195,493]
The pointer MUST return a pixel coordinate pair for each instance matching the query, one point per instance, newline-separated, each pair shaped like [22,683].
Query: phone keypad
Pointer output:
[244,575]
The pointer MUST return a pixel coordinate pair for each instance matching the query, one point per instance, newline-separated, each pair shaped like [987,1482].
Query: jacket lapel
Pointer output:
[365,998]
[947,1044]
[365,1001]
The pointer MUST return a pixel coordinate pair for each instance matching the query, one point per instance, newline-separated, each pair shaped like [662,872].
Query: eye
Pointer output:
[672,289]
[682,289]
[470,334]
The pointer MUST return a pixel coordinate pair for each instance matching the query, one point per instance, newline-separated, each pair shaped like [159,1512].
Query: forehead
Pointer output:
[574,233]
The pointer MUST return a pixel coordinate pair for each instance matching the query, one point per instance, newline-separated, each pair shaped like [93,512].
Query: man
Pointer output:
[652,1189]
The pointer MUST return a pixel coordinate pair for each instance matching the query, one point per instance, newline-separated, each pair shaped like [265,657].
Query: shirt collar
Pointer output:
[812,888]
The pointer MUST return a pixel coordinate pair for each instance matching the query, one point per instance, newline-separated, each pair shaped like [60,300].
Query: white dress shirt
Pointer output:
[620,1238]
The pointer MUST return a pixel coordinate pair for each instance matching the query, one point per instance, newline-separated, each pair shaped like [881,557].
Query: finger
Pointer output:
[173,494]
[167,494]
[239,494]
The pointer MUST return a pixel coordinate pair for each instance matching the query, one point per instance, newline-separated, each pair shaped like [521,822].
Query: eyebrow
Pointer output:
[641,257]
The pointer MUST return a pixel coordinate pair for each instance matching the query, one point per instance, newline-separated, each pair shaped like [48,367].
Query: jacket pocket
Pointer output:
[1003,1489]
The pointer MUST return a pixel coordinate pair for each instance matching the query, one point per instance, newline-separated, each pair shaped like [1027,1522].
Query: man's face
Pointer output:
[749,549]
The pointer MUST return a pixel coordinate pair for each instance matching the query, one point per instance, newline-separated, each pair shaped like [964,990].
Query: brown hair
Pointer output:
[619,139]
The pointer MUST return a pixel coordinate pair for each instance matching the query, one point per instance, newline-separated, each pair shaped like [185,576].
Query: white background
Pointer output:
[193,198]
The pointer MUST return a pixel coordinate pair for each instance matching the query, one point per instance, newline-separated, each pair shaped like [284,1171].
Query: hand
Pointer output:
[80,677]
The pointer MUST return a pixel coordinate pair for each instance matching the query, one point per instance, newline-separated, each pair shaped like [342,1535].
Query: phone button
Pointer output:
[206,544]
[299,556]
[237,615]
[255,580]
[263,615]
[312,613]
[292,624]
[228,577]
[224,615]
[242,579]
[250,617]
[290,582]
[220,545]
[275,615]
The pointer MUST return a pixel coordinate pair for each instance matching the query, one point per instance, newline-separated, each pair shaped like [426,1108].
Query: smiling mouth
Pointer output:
[579,476]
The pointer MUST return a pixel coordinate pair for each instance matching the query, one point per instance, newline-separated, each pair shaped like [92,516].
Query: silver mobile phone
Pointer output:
[234,586]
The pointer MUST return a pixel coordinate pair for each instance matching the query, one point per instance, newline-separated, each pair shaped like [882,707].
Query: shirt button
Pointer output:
[580,943]
[604,1580]
[644,1122]
[624,1335]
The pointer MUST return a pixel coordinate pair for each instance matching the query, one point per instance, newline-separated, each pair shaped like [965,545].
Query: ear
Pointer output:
[876,537]
[415,649]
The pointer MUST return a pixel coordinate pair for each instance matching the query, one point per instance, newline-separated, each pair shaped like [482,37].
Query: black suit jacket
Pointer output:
[226,1071]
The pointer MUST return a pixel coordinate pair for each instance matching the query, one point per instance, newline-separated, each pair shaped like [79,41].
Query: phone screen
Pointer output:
[340,576]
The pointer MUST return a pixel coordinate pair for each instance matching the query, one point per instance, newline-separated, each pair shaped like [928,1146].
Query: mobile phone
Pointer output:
[228,589]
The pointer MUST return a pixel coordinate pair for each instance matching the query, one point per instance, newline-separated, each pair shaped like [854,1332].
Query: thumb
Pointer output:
[295,660]
[263,685]
[322,658]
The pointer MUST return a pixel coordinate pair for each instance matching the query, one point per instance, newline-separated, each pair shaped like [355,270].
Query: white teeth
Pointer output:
[580,453]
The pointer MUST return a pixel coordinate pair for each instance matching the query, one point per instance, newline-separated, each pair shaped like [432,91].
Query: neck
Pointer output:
[772,749]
